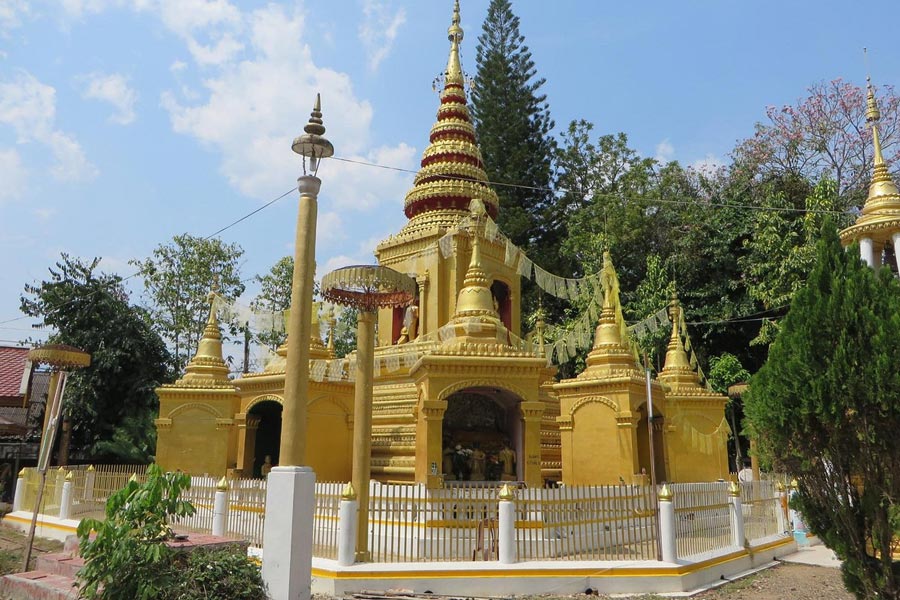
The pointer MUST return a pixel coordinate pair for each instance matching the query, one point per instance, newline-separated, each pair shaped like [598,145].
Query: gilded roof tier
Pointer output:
[452,170]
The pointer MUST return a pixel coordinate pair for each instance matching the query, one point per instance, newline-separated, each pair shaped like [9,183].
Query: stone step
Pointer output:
[59,563]
[37,585]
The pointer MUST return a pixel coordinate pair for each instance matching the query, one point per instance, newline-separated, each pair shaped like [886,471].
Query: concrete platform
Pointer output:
[816,554]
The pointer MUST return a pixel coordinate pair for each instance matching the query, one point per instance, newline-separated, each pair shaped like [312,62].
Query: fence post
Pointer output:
[65,501]
[737,515]
[782,508]
[347,515]
[220,508]
[89,477]
[668,546]
[60,480]
[507,526]
[19,495]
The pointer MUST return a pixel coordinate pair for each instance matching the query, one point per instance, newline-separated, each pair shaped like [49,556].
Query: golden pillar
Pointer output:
[532,414]
[296,380]
[431,429]
[362,425]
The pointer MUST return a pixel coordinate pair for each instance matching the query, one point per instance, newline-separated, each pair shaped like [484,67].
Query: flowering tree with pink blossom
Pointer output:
[824,134]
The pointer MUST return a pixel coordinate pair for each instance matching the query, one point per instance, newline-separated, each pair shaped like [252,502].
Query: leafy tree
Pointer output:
[823,135]
[178,278]
[725,371]
[824,408]
[111,403]
[653,293]
[345,332]
[781,249]
[513,124]
[274,296]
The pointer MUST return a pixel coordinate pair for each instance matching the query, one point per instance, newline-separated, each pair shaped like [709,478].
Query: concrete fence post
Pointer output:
[737,515]
[90,475]
[668,546]
[19,496]
[506,539]
[347,520]
[60,480]
[65,501]
[220,509]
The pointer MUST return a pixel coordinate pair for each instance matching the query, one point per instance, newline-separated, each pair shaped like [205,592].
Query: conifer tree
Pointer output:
[512,121]
[825,407]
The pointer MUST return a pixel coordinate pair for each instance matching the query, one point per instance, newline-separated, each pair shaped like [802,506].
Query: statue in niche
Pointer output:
[461,469]
[447,462]
[266,466]
[410,328]
[507,458]
[476,464]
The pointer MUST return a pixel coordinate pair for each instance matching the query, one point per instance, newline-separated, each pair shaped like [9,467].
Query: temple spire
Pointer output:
[475,297]
[207,368]
[452,170]
[677,368]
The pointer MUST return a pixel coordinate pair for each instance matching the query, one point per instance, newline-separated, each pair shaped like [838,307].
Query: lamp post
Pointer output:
[61,359]
[366,288]
[290,491]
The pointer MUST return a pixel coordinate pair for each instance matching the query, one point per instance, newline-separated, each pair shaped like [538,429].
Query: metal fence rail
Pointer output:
[325,519]
[247,510]
[702,518]
[761,504]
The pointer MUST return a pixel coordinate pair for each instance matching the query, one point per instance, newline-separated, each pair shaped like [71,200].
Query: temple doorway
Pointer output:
[268,435]
[659,446]
[482,436]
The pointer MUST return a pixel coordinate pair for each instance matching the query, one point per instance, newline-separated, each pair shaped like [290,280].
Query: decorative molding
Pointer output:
[195,406]
[264,398]
[593,400]
[475,383]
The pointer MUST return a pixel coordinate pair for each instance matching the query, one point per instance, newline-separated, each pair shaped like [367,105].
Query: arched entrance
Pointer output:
[268,433]
[659,446]
[482,436]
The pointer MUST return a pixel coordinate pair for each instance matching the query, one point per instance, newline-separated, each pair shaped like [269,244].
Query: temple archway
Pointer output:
[483,435]
[268,434]
[659,445]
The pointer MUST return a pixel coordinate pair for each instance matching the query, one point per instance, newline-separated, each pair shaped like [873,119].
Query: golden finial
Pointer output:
[22,473]
[312,144]
[665,493]
[506,493]
[90,469]
[454,74]
[348,493]
[133,478]
[70,476]
[61,469]
[779,486]
[222,486]
[794,484]
[734,490]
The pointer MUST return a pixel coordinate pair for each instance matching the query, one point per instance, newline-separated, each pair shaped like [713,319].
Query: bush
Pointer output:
[128,557]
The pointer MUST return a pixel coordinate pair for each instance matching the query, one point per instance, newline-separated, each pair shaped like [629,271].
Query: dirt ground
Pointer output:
[784,582]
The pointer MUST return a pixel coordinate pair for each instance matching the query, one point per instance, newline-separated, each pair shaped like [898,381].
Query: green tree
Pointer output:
[274,296]
[653,293]
[513,124]
[112,402]
[345,332]
[824,408]
[177,279]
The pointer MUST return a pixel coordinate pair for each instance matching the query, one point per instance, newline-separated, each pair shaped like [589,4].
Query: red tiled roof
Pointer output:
[12,366]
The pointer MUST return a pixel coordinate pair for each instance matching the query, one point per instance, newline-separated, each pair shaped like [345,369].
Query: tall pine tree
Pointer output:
[512,121]
[825,408]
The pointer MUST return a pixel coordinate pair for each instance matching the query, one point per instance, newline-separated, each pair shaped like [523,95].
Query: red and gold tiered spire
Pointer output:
[452,170]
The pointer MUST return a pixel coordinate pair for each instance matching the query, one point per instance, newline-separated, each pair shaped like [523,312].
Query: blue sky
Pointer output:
[125,122]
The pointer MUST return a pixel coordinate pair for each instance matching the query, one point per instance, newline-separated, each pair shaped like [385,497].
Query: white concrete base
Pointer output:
[287,534]
[48,527]
[544,577]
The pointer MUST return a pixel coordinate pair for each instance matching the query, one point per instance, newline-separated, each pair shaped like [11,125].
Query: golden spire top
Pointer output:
[475,298]
[611,349]
[452,169]
[677,368]
[883,192]
[454,72]
[207,368]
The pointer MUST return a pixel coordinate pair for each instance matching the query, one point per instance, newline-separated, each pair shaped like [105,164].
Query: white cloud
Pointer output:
[252,108]
[115,90]
[221,51]
[13,175]
[29,107]
[11,13]
[178,66]
[379,29]
[665,152]
[78,8]
[708,164]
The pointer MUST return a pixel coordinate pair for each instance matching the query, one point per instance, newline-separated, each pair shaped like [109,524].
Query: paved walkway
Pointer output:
[817,554]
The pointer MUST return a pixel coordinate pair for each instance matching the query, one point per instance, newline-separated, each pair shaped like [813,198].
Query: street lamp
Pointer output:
[365,288]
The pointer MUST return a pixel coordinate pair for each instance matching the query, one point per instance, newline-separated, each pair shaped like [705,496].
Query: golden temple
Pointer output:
[458,395]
